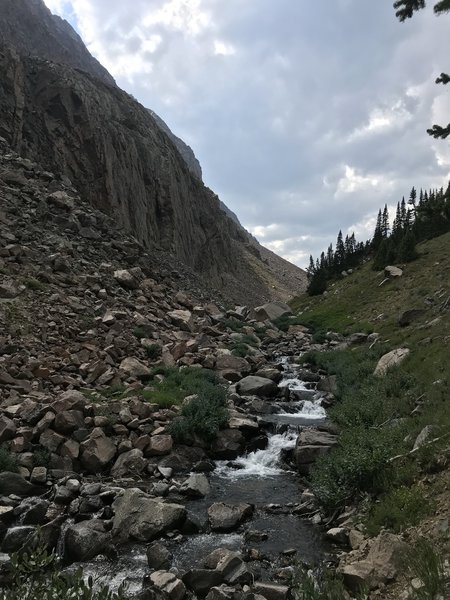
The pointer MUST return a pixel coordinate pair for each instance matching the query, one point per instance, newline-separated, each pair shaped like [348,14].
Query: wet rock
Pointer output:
[271,591]
[226,517]
[32,511]
[196,486]
[129,463]
[228,444]
[87,539]
[200,581]
[169,584]
[13,483]
[139,517]
[256,386]
[232,569]
[222,592]
[158,556]
[390,360]
[17,538]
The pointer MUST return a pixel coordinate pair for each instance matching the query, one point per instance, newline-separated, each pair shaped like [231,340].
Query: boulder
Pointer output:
[200,581]
[229,362]
[196,486]
[32,511]
[134,368]
[390,360]
[312,443]
[61,200]
[381,566]
[13,483]
[7,429]
[256,386]
[126,279]
[159,445]
[68,421]
[17,538]
[408,316]
[392,272]
[226,517]
[158,556]
[97,451]
[86,539]
[139,517]
[272,311]
[129,463]
[182,319]
[228,444]
[169,584]
[328,384]
[271,591]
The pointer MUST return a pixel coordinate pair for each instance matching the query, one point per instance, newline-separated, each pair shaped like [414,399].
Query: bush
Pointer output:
[323,584]
[8,461]
[153,351]
[41,457]
[424,562]
[179,383]
[36,575]
[398,509]
[139,333]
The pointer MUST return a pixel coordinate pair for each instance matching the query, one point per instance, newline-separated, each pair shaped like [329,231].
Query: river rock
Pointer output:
[272,311]
[232,568]
[328,384]
[228,444]
[86,539]
[97,451]
[270,373]
[256,386]
[271,591]
[196,486]
[129,463]
[13,483]
[17,538]
[200,581]
[32,511]
[158,556]
[226,517]
[169,584]
[390,360]
[139,517]
[312,443]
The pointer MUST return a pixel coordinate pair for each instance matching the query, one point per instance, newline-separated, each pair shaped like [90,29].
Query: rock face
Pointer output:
[126,165]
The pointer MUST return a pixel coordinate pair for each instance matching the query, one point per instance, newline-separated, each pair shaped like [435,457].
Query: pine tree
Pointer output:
[378,233]
[407,248]
[385,222]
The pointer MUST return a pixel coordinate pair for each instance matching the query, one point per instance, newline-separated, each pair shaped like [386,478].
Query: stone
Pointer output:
[382,564]
[272,311]
[168,583]
[126,279]
[408,316]
[182,319]
[158,556]
[85,540]
[355,539]
[196,486]
[61,200]
[68,421]
[247,426]
[134,368]
[271,591]
[7,429]
[229,362]
[32,511]
[232,569]
[328,384]
[200,581]
[390,360]
[13,483]
[392,272]
[139,517]
[97,451]
[423,437]
[311,444]
[256,386]
[39,475]
[17,538]
[338,535]
[51,440]
[159,445]
[228,444]
[129,463]
[226,517]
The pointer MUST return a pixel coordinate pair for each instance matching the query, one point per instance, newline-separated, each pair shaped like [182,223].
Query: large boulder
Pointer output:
[7,429]
[87,539]
[196,486]
[13,483]
[228,444]
[168,583]
[134,368]
[182,319]
[390,360]
[139,517]
[382,564]
[392,272]
[129,463]
[310,445]
[272,311]
[229,362]
[97,451]
[226,517]
[200,581]
[256,386]
[126,279]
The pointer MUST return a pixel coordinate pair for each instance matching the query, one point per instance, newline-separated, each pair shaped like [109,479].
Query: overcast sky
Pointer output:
[306,115]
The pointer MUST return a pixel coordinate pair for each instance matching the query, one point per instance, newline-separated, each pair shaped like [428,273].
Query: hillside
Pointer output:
[392,464]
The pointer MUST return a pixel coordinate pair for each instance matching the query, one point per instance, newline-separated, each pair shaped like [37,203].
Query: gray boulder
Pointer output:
[129,463]
[87,539]
[272,311]
[256,386]
[196,486]
[310,445]
[13,483]
[17,538]
[158,556]
[169,584]
[139,517]
[226,517]
[390,360]
[97,451]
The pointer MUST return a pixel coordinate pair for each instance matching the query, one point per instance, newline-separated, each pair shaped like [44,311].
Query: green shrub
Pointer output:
[8,461]
[322,584]
[239,349]
[139,333]
[179,383]
[34,284]
[424,562]
[234,325]
[36,576]
[398,509]
[153,351]
[41,457]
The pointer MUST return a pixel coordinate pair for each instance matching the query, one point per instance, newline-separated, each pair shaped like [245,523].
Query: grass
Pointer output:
[322,584]
[397,510]
[377,416]
[426,563]
[34,284]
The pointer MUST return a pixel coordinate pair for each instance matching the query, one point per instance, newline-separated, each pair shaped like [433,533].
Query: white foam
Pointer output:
[307,409]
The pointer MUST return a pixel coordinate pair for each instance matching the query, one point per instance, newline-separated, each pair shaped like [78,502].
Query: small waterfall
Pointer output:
[260,463]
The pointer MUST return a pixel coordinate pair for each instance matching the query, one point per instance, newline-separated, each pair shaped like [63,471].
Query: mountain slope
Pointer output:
[122,162]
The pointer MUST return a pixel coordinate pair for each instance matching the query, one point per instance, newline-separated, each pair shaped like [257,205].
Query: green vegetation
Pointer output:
[153,351]
[36,575]
[41,457]
[176,384]
[234,325]
[426,563]
[324,584]
[34,284]
[139,333]
[8,460]
[397,510]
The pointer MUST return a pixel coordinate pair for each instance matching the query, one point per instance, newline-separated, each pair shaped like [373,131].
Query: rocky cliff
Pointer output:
[68,113]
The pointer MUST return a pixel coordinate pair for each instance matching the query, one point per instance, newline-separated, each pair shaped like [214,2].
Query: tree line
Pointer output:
[423,216]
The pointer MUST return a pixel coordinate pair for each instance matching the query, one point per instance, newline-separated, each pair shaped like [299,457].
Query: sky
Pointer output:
[307,116]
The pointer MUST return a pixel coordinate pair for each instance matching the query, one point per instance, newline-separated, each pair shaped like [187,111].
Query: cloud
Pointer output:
[306,116]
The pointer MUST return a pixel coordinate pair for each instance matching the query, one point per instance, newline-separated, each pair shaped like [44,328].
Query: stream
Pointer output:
[261,478]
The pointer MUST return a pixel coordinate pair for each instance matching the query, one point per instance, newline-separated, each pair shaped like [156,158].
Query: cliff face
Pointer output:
[77,123]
